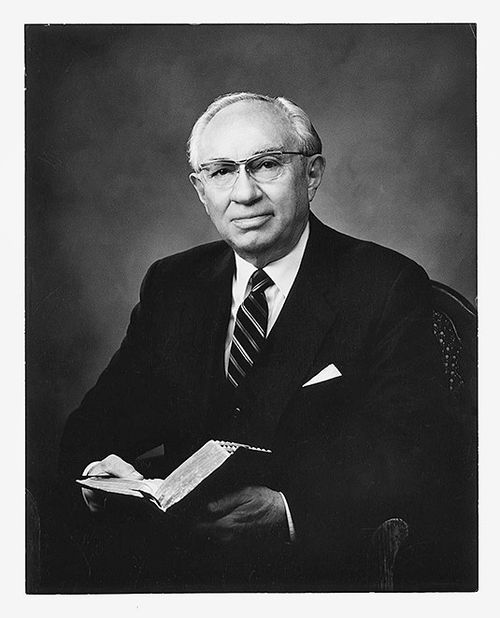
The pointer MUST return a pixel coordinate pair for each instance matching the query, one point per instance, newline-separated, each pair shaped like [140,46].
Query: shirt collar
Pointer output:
[282,271]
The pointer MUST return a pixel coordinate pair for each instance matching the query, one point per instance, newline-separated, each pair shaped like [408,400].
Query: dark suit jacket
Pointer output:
[347,453]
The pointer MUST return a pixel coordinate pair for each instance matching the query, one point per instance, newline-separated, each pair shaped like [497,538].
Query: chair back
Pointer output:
[455,328]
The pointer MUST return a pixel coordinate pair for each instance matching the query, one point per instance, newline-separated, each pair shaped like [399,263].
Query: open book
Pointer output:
[221,463]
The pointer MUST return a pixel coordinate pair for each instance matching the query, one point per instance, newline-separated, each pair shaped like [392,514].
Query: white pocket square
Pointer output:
[329,372]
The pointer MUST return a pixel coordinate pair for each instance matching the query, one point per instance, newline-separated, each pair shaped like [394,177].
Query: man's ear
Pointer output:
[315,169]
[200,189]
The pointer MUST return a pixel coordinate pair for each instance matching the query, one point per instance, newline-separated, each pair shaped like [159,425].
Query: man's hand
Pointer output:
[250,514]
[112,465]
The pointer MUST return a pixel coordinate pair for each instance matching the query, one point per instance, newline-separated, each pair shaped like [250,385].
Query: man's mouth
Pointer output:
[247,223]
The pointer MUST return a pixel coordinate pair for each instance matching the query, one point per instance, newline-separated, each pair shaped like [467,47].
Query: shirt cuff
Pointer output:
[94,505]
[291,527]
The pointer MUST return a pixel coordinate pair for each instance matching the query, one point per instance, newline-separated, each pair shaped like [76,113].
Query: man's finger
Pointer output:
[227,503]
[116,466]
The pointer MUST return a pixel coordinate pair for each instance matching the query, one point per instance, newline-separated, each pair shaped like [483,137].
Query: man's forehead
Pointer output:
[254,126]
[248,106]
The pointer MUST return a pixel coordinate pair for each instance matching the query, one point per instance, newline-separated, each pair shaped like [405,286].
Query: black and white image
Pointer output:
[251,308]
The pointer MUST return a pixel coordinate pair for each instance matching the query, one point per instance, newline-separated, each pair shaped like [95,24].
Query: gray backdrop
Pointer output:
[109,109]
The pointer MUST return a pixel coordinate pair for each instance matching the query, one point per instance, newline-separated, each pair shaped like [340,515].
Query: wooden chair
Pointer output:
[455,328]
[386,542]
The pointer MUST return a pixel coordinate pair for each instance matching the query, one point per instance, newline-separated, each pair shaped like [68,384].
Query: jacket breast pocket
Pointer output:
[323,395]
[327,383]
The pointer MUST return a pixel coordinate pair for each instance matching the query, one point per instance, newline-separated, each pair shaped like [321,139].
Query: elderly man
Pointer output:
[286,335]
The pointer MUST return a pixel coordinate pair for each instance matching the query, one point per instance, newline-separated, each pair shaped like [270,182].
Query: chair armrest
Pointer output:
[386,541]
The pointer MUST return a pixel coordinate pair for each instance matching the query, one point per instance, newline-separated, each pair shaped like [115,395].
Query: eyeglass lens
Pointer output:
[263,168]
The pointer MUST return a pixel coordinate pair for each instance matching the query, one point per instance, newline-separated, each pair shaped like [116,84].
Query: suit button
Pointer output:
[236,412]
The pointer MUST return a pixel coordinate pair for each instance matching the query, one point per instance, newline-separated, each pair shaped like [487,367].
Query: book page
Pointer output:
[190,473]
[123,486]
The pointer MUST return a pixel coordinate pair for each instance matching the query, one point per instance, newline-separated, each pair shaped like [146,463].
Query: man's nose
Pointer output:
[245,189]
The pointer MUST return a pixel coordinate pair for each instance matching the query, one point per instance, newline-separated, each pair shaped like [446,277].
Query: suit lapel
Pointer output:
[204,306]
[307,316]
[216,284]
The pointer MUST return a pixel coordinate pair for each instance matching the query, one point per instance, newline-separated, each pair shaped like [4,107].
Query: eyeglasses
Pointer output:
[263,167]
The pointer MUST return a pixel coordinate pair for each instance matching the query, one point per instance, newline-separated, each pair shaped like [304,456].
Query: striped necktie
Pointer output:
[249,329]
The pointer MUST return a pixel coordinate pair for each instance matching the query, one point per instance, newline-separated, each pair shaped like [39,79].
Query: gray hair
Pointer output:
[309,141]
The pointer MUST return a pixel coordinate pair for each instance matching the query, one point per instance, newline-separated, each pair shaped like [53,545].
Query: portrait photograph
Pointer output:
[251,308]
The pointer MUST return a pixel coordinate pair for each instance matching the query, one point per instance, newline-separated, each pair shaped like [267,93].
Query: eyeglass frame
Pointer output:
[244,162]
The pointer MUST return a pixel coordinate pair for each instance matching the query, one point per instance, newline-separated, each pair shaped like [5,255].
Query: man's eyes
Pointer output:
[268,164]
[222,171]
[264,164]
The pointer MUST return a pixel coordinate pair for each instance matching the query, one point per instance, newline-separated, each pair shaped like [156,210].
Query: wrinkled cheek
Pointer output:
[220,220]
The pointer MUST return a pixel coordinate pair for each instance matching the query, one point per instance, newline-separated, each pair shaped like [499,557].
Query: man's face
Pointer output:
[261,221]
